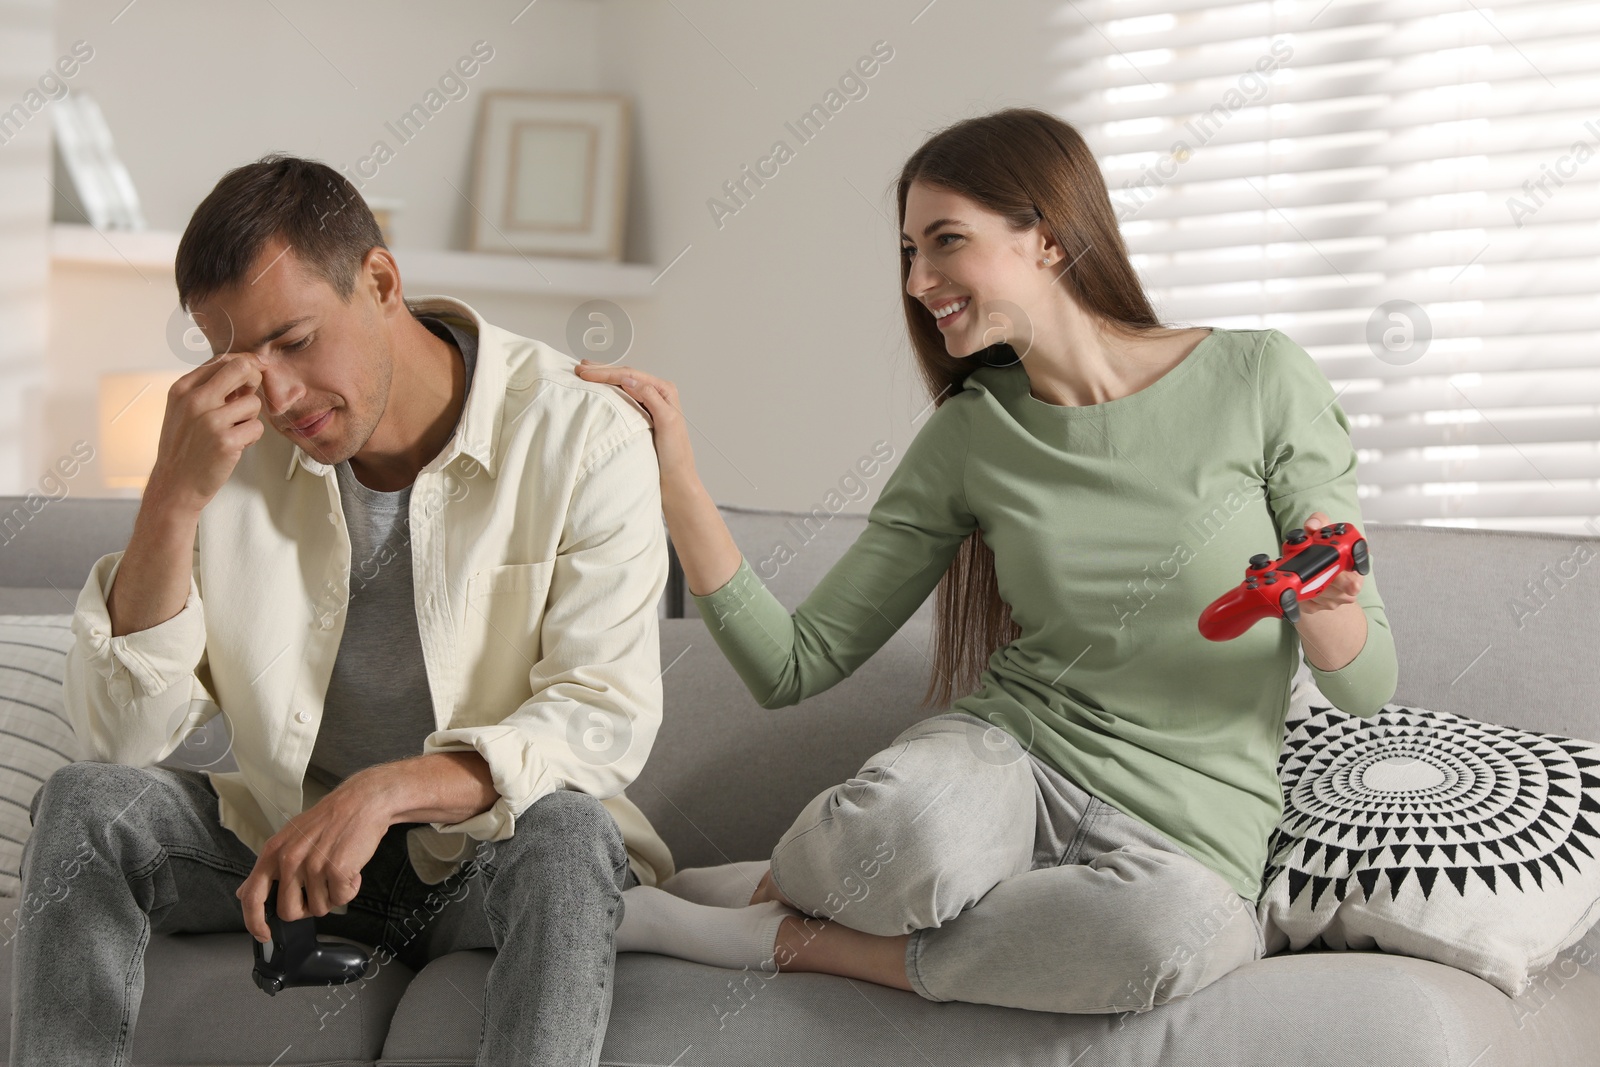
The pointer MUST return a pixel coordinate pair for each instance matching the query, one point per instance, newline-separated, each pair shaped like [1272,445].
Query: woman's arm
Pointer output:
[912,534]
[1333,624]
[1310,468]
[704,544]
[701,538]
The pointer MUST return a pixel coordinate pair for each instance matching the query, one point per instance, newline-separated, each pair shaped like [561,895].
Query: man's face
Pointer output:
[322,360]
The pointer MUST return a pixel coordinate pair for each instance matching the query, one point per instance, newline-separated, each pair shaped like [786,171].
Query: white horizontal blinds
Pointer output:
[1299,165]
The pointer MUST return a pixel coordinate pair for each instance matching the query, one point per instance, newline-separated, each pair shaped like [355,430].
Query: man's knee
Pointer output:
[87,790]
[68,813]
[563,825]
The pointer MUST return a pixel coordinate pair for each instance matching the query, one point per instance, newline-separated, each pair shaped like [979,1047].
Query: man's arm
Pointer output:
[134,684]
[441,787]
[133,698]
[316,857]
[153,580]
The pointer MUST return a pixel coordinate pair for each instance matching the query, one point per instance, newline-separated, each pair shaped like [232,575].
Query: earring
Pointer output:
[1045,262]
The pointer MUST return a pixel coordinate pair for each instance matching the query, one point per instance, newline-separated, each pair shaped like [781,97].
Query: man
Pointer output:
[425,607]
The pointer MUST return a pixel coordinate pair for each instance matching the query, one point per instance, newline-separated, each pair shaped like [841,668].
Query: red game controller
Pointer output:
[1276,587]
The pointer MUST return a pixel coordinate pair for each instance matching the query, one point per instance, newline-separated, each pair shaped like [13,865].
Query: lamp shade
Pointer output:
[132,407]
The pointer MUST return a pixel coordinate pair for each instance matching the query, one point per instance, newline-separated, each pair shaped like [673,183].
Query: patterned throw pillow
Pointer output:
[35,736]
[1428,834]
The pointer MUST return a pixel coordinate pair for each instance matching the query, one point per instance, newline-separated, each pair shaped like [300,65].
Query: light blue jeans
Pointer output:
[1018,887]
[118,852]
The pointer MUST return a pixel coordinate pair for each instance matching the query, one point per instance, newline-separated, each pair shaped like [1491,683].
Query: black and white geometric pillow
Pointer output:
[1432,835]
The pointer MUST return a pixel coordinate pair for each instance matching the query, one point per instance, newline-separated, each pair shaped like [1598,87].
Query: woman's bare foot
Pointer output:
[805,943]
[810,944]
[767,890]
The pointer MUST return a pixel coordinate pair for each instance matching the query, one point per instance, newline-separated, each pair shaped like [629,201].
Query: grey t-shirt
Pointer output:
[378,707]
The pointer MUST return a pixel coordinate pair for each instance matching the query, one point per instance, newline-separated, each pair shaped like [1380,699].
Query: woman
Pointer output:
[1085,829]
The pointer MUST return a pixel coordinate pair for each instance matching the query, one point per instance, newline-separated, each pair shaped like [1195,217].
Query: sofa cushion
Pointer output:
[200,1007]
[35,735]
[1332,1009]
[1433,835]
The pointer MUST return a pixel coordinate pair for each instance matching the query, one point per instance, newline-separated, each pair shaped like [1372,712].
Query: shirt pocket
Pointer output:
[505,606]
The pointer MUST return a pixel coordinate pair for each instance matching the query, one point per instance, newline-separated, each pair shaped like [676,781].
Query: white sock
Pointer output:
[654,920]
[728,885]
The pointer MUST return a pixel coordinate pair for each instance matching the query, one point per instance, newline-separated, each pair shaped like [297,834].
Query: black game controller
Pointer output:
[294,956]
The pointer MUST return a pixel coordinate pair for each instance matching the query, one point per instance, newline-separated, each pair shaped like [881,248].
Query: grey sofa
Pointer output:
[726,778]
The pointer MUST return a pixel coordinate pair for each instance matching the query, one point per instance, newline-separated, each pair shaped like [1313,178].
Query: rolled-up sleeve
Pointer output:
[1311,466]
[133,698]
[596,688]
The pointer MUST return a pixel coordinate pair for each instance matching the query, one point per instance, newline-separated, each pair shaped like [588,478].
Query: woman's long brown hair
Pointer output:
[1029,167]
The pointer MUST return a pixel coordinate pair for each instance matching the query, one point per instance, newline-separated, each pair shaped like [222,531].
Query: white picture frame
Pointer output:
[551,174]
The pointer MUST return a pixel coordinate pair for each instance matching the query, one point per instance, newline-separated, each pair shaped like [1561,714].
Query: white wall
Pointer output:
[782,327]
[191,88]
[25,58]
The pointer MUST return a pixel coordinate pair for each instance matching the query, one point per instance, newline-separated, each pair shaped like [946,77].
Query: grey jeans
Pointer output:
[118,852]
[1018,887]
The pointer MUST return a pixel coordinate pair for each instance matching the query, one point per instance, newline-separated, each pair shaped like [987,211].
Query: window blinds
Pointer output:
[1410,190]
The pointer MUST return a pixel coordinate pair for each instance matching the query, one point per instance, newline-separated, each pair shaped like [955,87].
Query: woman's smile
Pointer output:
[949,313]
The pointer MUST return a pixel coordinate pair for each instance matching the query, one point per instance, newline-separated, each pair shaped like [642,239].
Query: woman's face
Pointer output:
[969,266]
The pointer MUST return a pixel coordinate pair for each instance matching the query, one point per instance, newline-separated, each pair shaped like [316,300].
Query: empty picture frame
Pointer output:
[551,174]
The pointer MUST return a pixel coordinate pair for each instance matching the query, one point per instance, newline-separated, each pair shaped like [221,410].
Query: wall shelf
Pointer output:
[424,271]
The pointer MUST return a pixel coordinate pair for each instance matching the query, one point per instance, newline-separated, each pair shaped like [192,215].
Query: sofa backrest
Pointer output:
[726,776]
[790,551]
[1494,625]
[1498,626]
[48,547]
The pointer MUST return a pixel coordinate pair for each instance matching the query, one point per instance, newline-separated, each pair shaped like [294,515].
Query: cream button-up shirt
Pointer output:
[539,558]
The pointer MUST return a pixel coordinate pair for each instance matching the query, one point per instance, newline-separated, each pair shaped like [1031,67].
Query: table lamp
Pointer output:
[132,408]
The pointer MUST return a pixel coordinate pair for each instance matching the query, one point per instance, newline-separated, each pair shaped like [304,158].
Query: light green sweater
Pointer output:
[1113,525]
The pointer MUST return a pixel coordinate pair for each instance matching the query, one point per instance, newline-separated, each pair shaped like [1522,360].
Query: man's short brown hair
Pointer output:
[308,204]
